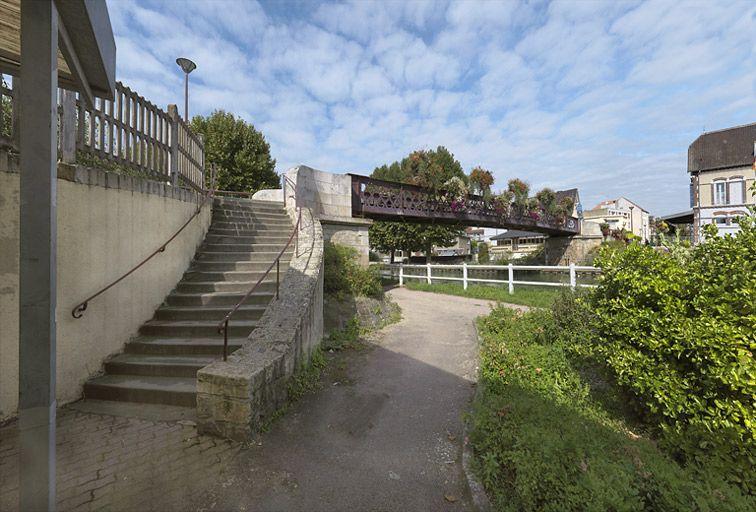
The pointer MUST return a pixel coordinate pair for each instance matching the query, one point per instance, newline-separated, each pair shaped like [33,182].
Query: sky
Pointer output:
[603,96]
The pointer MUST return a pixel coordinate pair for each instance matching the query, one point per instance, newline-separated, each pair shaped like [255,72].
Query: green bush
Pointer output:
[678,329]
[544,440]
[344,276]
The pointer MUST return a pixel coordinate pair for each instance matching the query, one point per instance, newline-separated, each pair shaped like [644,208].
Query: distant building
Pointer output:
[721,166]
[477,234]
[461,247]
[516,244]
[621,213]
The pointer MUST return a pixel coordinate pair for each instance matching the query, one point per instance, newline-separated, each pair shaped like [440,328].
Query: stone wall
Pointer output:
[329,196]
[564,250]
[235,397]
[107,223]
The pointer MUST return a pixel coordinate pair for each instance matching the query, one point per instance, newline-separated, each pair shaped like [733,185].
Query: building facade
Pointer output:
[515,244]
[721,168]
[621,213]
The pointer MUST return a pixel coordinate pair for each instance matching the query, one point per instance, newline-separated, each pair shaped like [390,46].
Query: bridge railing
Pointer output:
[389,200]
[572,276]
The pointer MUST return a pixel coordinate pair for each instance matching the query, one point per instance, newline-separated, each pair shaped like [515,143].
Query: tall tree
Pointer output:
[240,152]
[427,168]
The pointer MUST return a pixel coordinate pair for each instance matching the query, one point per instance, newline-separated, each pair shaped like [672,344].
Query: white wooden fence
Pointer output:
[465,270]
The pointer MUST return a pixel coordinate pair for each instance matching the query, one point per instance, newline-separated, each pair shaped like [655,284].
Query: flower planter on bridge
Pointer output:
[388,200]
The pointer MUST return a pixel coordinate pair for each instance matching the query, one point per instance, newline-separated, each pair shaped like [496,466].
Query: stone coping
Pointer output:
[236,397]
[98,178]
[347,221]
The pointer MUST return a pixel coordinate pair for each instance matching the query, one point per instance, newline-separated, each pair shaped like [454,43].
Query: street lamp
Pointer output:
[187,66]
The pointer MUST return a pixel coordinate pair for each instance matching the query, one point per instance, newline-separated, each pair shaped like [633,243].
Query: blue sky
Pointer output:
[603,96]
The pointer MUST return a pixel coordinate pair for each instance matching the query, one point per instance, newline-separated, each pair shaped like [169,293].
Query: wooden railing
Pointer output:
[128,133]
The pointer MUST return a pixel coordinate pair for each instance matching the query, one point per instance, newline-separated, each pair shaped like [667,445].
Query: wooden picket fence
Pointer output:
[128,133]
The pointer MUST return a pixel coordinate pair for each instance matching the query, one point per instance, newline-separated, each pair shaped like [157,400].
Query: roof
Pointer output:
[613,202]
[685,217]
[572,193]
[85,33]
[731,147]
[516,233]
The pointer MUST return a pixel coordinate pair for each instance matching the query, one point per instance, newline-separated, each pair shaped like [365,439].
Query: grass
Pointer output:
[535,296]
[549,434]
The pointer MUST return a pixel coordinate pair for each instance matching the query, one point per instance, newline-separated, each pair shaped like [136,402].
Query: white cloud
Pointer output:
[605,96]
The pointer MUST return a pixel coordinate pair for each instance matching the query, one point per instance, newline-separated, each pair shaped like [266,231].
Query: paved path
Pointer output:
[385,435]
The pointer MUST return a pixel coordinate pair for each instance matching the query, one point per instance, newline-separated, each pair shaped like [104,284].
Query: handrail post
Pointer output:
[401,274]
[464,275]
[511,278]
[572,276]
[428,268]
[278,270]
[173,116]
[283,186]
[225,340]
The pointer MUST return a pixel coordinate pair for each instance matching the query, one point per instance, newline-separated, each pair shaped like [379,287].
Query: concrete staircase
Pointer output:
[160,365]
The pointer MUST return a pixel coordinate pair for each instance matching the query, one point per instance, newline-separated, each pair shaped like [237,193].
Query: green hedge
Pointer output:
[344,276]
[678,330]
[549,433]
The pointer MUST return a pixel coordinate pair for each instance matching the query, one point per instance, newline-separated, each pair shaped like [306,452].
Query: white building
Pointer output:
[721,166]
[621,213]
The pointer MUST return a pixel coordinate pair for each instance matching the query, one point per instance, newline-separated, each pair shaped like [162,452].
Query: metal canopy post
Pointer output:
[37,262]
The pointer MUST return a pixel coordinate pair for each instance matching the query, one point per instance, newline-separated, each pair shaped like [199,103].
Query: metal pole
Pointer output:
[278,269]
[38,252]
[511,278]
[186,97]
[225,340]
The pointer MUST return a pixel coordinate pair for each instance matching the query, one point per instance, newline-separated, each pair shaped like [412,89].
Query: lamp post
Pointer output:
[187,66]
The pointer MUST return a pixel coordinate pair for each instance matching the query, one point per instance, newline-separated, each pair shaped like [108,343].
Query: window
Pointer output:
[737,190]
[721,221]
[720,192]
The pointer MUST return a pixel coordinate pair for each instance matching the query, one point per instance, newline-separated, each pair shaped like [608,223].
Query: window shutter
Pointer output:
[713,194]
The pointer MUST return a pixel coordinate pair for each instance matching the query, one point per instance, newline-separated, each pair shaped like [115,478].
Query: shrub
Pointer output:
[344,276]
[543,439]
[483,255]
[678,329]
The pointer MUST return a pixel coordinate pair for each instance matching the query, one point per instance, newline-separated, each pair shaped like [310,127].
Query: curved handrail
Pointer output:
[78,310]
[223,324]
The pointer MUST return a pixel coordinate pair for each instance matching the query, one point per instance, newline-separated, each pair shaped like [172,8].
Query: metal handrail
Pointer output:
[78,310]
[223,324]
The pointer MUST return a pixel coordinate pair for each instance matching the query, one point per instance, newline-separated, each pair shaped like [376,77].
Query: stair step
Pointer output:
[241,216]
[158,365]
[241,255]
[142,388]
[228,266]
[253,231]
[204,276]
[201,313]
[224,286]
[273,238]
[283,226]
[242,247]
[200,329]
[217,298]
[183,345]
[228,202]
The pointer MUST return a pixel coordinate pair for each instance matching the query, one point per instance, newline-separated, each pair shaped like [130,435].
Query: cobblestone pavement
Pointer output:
[117,463]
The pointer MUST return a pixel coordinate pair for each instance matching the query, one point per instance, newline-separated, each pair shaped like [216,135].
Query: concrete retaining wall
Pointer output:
[107,223]
[329,196]
[235,397]
[563,250]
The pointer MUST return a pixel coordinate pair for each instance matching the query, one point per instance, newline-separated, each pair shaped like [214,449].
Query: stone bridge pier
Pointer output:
[563,250]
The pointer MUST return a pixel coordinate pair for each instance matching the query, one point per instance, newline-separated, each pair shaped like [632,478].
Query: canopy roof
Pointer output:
[86,55]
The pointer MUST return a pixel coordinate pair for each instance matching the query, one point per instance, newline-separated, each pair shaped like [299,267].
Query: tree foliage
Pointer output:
[426,168]
[240,152]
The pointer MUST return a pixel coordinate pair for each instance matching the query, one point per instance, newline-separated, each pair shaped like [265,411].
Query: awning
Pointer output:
[679,218]
[86,55]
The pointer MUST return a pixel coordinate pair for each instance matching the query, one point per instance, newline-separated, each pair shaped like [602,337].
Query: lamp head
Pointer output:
[186,65]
